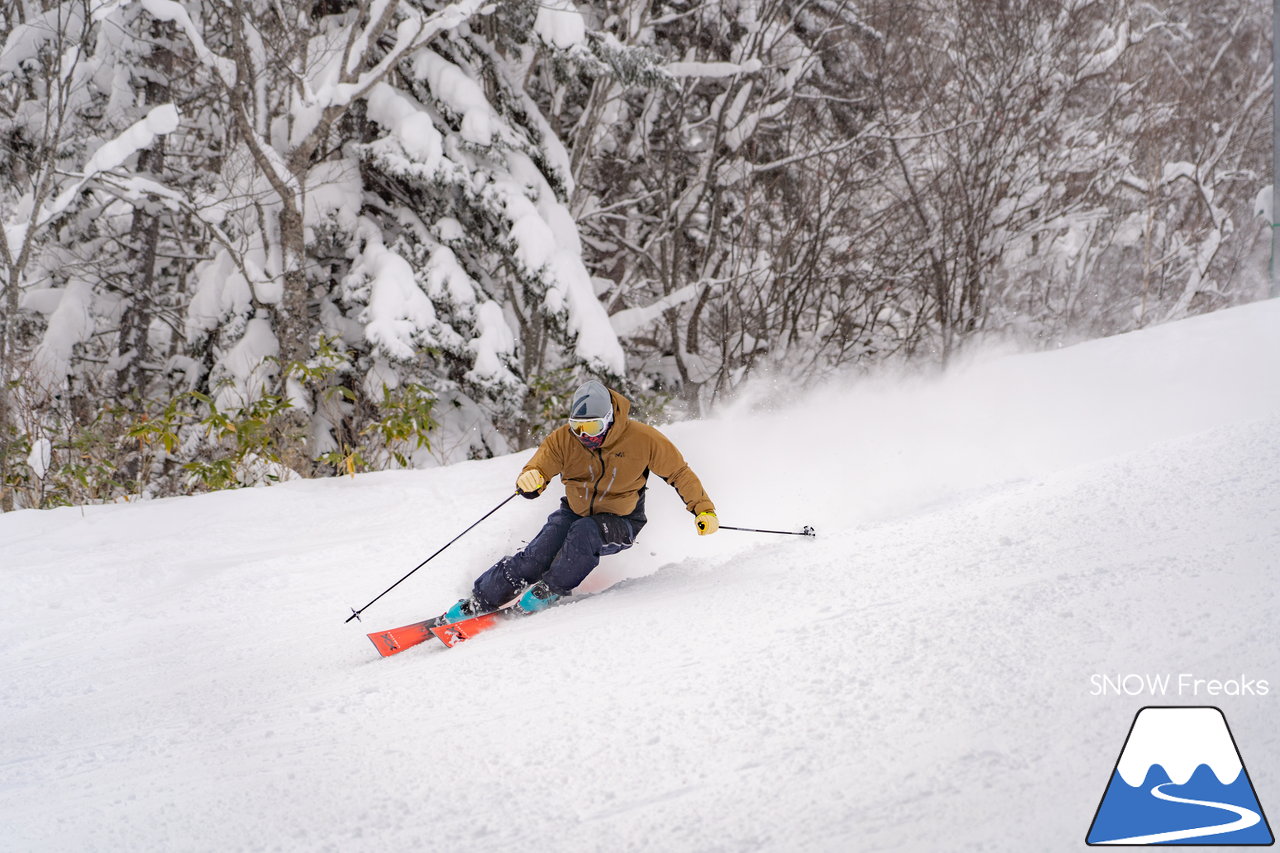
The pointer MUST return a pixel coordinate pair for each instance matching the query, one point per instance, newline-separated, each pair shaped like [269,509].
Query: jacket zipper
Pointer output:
[591,506]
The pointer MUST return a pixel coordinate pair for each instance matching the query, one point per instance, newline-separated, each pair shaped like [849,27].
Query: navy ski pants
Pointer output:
[563,553]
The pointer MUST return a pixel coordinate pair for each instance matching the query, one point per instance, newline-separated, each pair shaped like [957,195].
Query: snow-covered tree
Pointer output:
[472,186]
[996,127]
[253,239]
[72,125]
[699,155]
[410,204]
[1041,168]
[1185,203]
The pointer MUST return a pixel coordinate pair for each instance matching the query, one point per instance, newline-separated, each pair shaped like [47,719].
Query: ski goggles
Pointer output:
[590,427]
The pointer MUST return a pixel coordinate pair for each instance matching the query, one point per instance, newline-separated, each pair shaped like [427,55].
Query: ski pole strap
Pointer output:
[355,614]
[807,531]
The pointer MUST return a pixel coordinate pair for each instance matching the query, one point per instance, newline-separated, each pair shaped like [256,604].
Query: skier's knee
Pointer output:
[584,534]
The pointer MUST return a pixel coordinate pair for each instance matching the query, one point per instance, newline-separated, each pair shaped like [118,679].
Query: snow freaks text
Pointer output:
[1181,684]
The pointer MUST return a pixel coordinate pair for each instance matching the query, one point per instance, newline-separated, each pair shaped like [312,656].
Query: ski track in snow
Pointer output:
[178,675]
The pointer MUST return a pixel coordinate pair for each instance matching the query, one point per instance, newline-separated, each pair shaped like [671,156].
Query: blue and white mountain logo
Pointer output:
[1180,781]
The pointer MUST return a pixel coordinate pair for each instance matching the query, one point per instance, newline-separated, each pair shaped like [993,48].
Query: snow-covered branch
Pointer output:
[159,121]
[713,70]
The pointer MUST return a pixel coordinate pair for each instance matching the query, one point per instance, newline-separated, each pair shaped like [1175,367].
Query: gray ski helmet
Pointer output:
[591,400]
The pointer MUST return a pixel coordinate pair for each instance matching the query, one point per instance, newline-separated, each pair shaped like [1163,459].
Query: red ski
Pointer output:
[456,632]
[398,639]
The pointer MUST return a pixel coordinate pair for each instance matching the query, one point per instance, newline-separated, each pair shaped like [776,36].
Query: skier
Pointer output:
[603,458]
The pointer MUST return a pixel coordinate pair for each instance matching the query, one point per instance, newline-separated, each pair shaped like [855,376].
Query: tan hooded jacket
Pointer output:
[610,479]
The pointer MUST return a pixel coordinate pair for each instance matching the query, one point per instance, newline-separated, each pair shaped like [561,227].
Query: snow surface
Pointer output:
[178,675]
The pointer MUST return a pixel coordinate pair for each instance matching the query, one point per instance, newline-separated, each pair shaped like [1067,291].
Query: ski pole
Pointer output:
[355,614]
[807,531]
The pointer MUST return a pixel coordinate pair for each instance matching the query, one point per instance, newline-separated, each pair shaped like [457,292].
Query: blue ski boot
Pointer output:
[537,597]
[464,609]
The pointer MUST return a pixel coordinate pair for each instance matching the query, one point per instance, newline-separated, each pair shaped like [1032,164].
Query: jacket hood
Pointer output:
[621,417]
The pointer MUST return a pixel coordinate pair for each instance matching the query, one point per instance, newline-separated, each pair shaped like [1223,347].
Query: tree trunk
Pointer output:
[293,323]
[293,333]
[135,324]
[8,315]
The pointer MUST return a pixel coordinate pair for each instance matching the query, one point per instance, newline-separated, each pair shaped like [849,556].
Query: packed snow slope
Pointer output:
[177,675]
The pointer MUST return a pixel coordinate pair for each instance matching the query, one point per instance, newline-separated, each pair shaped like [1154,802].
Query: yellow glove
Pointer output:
[707,523]
[531,483]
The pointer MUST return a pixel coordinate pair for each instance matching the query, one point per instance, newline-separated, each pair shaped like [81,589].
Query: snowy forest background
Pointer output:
[247,240]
